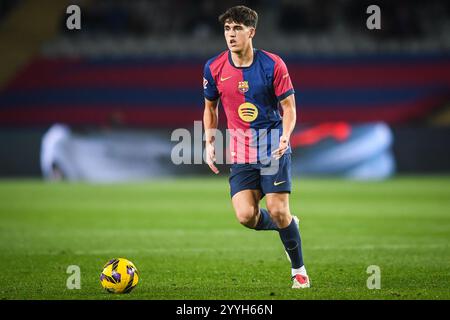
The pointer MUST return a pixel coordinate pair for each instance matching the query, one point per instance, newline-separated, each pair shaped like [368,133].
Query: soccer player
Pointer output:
[252,84]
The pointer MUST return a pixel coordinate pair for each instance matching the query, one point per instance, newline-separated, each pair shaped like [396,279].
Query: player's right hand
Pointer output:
[211,157]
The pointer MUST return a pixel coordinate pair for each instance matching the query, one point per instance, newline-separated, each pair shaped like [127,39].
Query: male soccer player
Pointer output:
[251,85]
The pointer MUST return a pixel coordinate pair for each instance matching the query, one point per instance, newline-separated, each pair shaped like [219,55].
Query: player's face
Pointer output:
[238,36]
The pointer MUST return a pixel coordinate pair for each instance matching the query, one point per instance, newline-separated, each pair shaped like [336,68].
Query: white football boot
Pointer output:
[300,281]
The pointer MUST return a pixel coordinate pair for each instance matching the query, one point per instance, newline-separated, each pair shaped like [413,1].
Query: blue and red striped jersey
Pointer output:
[250,97]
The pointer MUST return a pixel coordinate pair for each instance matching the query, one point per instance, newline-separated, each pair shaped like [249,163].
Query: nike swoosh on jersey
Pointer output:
[278,183]
[223,79]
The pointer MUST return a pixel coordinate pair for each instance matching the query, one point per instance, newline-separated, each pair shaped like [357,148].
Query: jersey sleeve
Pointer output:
[210,91]
[282,81]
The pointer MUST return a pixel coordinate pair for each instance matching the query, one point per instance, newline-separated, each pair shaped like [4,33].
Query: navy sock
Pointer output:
[290,236]
[265,222]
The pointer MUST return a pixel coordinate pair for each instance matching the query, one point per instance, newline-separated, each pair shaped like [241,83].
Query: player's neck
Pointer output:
[243,58]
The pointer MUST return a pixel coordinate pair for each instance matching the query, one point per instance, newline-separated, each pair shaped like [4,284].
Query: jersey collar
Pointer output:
[255,51]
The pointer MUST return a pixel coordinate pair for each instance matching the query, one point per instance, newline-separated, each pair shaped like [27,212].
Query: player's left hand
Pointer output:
[284,144]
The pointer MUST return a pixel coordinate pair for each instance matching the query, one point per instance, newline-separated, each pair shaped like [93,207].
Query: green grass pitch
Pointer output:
[184,239]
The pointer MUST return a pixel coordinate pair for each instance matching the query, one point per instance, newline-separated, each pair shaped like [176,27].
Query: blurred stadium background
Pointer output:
[99,105]
[371,103]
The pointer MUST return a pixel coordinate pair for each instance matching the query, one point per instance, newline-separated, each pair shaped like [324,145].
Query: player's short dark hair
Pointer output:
[240,14]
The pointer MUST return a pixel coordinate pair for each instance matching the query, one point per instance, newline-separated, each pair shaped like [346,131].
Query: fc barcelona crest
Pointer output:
[243,86]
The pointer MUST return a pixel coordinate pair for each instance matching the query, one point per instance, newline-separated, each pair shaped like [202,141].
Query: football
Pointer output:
[119,275]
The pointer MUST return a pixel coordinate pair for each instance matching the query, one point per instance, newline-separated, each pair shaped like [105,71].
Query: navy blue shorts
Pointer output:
[267,178]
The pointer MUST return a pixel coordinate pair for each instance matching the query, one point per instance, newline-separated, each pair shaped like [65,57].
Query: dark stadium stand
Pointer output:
[167,93]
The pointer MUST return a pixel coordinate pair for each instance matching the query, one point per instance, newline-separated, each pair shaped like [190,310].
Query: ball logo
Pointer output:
[243,86]
[248,112]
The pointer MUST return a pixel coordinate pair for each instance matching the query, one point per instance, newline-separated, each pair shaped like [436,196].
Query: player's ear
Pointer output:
[252,32]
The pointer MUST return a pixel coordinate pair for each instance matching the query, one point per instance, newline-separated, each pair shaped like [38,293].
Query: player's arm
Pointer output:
[289,121]
[210,122]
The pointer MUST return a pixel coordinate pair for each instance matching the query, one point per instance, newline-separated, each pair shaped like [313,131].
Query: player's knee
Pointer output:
[280,215]
[247,216]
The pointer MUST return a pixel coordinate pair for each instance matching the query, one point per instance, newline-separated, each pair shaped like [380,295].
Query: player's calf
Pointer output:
[280,215]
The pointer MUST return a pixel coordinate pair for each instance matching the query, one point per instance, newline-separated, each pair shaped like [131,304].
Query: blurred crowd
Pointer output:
[6,6]
[400,18]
